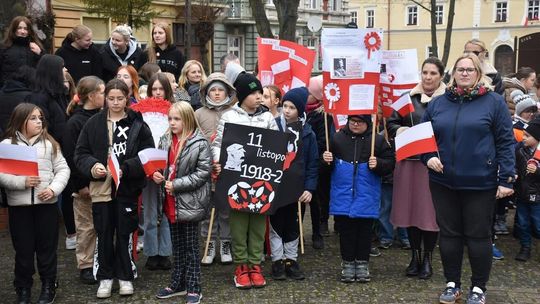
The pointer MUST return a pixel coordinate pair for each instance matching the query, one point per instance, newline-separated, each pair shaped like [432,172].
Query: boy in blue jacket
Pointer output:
[284,231]
[355,191]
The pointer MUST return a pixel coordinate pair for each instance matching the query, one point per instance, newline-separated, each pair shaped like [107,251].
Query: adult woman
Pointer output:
[21,47]
[474,166]
[129,76]
[191,77]
[412,207]
[120,49]
[80,55]
[163,51]
[522,80]
[478,47]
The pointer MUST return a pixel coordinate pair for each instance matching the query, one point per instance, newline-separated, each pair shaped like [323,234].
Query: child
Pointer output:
[33,211]
[119,130]
[217,96]
[355,211]
[187,198]
[528,188]
[91,96]
[284,231]
[272,99]
[246,228]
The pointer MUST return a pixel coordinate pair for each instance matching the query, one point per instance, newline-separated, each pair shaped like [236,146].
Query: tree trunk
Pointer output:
[449,25]
[287,11]
[261,21]
[130,13]
[432,13]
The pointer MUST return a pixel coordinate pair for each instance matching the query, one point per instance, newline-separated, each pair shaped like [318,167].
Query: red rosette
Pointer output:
[372,41]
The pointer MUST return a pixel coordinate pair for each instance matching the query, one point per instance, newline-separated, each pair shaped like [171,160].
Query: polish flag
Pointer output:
[403,105]
[114,168]
[153,160]
[415,140]
[281,71]
[18,160]
[537,153]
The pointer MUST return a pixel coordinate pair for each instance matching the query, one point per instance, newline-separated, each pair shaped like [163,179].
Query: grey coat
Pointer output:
[192,182]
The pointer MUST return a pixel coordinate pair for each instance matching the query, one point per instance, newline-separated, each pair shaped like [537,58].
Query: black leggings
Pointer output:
[67,212]
[354,237]
[417,235]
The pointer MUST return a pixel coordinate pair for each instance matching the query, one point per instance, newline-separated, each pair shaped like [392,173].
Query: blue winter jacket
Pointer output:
[475,141]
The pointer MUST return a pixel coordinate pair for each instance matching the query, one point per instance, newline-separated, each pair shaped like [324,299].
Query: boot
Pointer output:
[23,295]
[414,266]
[499,226]
[524,254]
[48,292]
[426,270]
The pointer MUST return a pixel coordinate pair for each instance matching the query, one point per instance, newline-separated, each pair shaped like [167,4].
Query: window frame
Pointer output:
[532,9]
[496,10]
[368,17]
[409,14]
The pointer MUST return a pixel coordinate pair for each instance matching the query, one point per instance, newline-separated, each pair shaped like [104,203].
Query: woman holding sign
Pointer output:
[118,133]
[412,207]
[474,166]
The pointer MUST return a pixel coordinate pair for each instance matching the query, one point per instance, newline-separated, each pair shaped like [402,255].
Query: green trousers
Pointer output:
[247,232]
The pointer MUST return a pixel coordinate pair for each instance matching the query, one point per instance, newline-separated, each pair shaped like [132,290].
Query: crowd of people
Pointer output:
[75,108]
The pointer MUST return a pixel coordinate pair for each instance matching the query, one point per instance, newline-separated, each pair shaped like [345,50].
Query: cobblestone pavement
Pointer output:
[511,281]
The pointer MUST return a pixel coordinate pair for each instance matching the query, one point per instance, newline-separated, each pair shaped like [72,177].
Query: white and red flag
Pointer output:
[153,160]
[403,105]
[415,140]
[18,160]
[114,168]
[537,153]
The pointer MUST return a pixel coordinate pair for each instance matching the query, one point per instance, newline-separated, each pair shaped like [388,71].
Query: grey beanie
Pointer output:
[522,101]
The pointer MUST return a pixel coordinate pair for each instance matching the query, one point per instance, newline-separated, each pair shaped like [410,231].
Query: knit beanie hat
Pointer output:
[246,84]
[533,128]
[315,87]
[522,101]
[298,96]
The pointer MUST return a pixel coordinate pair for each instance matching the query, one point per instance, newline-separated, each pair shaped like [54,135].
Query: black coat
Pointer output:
[396,120]
[93,147]
[527,186]
[316,120]
[111,63]
[12,94]
[54,108]
[169,60]
[15,56]
[74,126]
[80,63]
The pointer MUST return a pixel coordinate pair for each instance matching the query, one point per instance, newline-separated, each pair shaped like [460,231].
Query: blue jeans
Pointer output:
[386,230]
[157,239]
[528,217]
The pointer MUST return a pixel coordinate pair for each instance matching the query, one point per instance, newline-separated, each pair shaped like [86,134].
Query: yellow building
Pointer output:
[496,22]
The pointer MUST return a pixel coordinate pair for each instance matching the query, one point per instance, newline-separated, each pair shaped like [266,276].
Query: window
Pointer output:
[533,9]
[412,15]
[370,18]
[354,17]
[313,44]
[430,51]
[333,5]
[313,4]
[439,14]
[235,10]
[235,47]
[501,11]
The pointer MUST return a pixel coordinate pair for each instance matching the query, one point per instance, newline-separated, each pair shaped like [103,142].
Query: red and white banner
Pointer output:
[18,160]
[153,160]
[114,168]
[415,140]
[403,105]
[399,74]
[284,63]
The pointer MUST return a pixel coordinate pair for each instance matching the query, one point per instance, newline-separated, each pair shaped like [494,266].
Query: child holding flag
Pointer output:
[118,133]
[356,167]
[33,211]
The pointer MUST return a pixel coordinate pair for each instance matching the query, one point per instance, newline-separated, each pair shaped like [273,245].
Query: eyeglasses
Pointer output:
[468,70]
[477,53]
[356,122]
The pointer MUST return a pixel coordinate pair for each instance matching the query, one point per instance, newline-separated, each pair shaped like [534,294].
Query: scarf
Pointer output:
[212,104]
[470,93]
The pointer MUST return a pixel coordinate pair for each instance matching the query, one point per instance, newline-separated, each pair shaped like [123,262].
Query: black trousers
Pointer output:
[323,192]
[34,232]
[285,222]
[186,274]
[67,211]
[465,217]
[354,237]
[115,222]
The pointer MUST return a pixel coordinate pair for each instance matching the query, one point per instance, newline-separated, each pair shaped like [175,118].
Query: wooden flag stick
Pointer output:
[301,227]
[326,131]
[212,213]
[373,133]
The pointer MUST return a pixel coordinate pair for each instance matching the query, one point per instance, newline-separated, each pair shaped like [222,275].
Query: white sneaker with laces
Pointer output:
[209,258]
[225,251]
[126,288]
[71,242]
[104,289]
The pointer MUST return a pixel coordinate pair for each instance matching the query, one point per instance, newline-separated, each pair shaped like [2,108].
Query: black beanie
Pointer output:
[533,128]
[298,96]
[246,84]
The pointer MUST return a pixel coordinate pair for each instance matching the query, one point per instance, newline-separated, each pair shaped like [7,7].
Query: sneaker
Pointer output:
[385,244]
[140,244]
[524,254]
[24,295]
[152,262]
[278,270]
[241,277]
[450,294]
[348,272]
[193,298]
[256,276]
[318,242]
[324,229]
[500,225]
[71,242]
[225,251]
[168,292]
[87,276]
[374,252]
[362,271]
[497,254]
[405,244]
[104,289]
[476,296]
[164,263]
[209,258]
[293,271]
[126,288]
